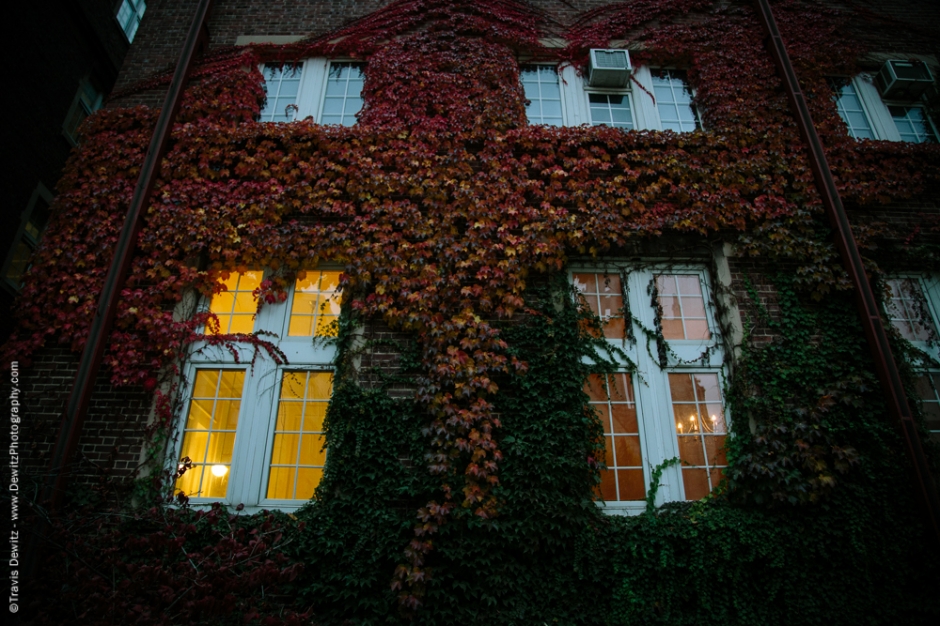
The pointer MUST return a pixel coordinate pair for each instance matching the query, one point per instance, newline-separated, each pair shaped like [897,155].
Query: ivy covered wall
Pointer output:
[472,498]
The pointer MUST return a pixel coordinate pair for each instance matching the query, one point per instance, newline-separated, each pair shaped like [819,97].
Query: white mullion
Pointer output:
[879,117]
[652,392]
[646,115]
[310,91]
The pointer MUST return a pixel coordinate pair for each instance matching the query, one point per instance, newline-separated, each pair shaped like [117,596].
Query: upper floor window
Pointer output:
[328,91]
[254,434]
[659,100]
[343,95]
[282,86]
[849,105]
[543,95]
[674,101]
[611,110]
[129,16]
[667,401]
[913,124]
[867,116]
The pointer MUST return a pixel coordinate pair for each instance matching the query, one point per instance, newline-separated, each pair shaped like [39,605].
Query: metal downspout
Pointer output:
[885,366]
[77,407]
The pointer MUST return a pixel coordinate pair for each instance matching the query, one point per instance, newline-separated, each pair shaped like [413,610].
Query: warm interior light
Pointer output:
[219,470]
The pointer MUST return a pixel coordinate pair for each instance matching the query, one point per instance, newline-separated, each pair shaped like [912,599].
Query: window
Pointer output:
[867,116]
[328,91]
[343,96]
[913,124]
[667,401]
[674,102]
[659,100]
[282,85]
[912,308]
[254,435]
[543,95]
[849,105]
[86,102]
[32,224]
[129,16]
[611,110]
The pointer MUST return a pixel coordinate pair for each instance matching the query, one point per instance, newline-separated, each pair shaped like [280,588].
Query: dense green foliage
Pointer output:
[853,553]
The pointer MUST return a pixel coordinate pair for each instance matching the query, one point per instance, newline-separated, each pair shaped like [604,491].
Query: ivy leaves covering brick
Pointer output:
[443,205]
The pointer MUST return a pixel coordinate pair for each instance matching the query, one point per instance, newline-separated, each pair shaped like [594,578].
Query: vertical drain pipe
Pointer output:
[885,366]
[74,417]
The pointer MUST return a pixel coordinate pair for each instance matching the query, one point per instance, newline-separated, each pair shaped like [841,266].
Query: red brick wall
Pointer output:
[111,440]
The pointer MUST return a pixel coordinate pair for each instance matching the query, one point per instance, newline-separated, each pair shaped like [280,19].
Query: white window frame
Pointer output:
[654,409]
[254,439]
[311,93]
[132,12]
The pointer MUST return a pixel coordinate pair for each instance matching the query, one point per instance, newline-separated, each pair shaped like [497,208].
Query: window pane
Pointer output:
[928,388]
[236,307]
[674,102]
[611,110]
[209,435]
[907,309]
[315,305]
[612,398]
[297,455]
[542,93]
[913,124]
[700,430]
[850,110]
[281,84]
[683,306]
[343,97]
[602,292]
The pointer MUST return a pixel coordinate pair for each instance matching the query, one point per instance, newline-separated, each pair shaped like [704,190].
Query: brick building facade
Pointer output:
[666,228]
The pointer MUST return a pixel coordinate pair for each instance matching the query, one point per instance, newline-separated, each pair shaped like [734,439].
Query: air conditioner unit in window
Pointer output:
[903,80]
[609,68]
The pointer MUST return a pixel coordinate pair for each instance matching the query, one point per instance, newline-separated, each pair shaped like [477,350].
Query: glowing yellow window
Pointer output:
[700,429]
[297,457]
[209,437]
[316,304]
[683,305]
[236,306]
[603,294]
[611,397]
